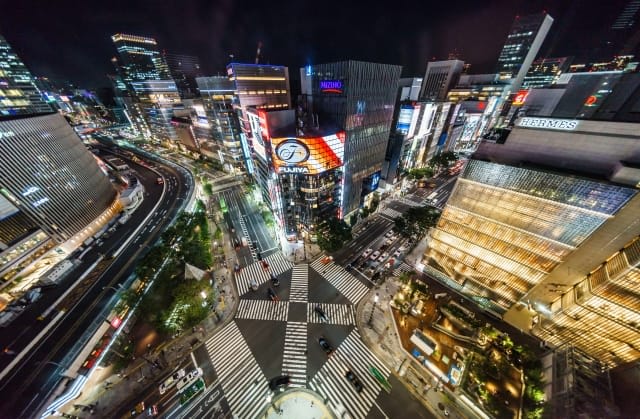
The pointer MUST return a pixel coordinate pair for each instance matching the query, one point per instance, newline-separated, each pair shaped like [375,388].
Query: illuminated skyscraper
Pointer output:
[359,98]
[261,87]
[139,58]
[18,93]
[523,43]
[184,69]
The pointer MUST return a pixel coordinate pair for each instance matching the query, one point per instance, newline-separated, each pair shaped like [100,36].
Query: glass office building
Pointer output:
[359,98]
[18,93]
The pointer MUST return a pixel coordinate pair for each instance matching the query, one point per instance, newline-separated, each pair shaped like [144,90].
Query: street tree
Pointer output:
[416,221]
[442,160]
[333,233]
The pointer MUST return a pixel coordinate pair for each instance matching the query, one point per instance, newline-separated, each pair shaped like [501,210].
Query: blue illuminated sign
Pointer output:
[331,86]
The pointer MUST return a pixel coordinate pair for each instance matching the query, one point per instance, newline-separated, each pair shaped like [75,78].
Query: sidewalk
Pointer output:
[379,333]
[107,392]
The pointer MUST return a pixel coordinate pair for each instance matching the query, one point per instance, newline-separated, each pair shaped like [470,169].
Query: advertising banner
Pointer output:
[308,155]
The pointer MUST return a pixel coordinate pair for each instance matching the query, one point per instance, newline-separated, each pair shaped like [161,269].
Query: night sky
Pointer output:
[70,40]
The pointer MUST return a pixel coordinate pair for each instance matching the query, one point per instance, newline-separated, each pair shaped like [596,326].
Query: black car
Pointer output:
[279,381]
[326,347]
[357,384]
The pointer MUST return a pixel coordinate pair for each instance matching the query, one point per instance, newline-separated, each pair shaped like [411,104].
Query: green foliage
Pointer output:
[420,173]
[353,219]
[416,221]
[332,234]
[443,159]
[207,188]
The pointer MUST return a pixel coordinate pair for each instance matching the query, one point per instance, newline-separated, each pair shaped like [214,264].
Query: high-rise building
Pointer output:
[18,93]
[545,72]
[261,87]
[358,97]
[440,77]
[183,70]
[523,43]
[217,95]
[139,58]
[542,227]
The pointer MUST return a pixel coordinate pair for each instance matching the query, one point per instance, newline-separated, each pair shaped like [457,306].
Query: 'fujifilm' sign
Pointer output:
[546,123]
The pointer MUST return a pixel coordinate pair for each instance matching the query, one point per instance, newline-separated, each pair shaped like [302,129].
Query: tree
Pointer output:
[332,234]
[444,159]
[207,188]
[416,221]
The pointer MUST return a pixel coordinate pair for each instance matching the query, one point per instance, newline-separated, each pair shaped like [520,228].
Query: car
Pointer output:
[383,257]
[325,345]
[375,255]
[280,381]
[367,252]
[389,234]
[188,379]
[389,241]
[171,380]
[397,253]
[357,384]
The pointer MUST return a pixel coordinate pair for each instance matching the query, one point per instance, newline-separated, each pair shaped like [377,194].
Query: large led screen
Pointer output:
[308,155]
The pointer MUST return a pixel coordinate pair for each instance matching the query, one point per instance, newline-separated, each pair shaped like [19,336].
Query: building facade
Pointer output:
[542,228]
[217,95]
[18,92]
[523,43]
[545,72]
[358,97]
[257,86]
[440,77]
[184,69]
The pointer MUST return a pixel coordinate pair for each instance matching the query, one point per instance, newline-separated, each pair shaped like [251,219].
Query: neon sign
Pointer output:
[331,86]
[546,123]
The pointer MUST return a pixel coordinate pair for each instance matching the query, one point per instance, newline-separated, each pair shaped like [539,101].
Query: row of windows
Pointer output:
[52,176]
[582,193]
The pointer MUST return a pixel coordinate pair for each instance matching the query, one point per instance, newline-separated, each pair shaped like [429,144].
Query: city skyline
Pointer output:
[215,32]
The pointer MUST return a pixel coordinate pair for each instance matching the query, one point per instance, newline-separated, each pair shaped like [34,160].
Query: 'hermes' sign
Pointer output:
[546,123]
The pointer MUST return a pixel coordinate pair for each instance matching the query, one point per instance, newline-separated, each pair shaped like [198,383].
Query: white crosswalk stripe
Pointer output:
[410,202]
[299,283]
[294,361]
[245,233]
[245,386]
[336,313]
[347,284]
[404,267]
[331,383]
[277,265]
[263,310]
[390,212]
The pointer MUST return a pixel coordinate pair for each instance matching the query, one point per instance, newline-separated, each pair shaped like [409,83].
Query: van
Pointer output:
[416,310]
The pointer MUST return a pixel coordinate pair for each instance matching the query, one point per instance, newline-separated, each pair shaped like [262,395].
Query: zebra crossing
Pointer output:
[294,362]
[277,265]
[403,267]
[244,385]
[245,233]
[331,383]
[409,202]
[336,314]
[390,212]
[299,283]
[263,310]
[347,284]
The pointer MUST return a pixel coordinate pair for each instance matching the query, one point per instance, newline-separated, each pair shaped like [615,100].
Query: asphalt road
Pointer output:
[34,378]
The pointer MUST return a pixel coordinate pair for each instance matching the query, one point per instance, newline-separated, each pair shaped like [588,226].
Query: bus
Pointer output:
[223,205]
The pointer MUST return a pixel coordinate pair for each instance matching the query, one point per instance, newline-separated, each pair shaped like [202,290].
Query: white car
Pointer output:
[389,233]
[397,253]
[367,252]
[375,255]
[189,379]
[383,257]
[170,381]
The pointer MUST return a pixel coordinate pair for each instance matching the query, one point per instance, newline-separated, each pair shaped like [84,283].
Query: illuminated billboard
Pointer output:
[308,155]
[404,119]
[258,131]
[331,86]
